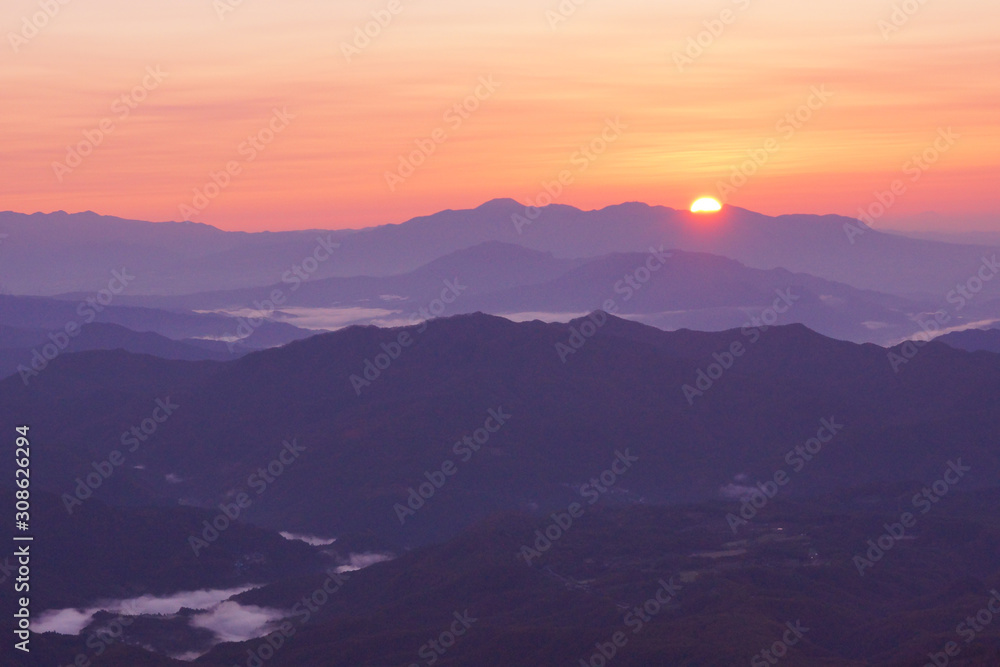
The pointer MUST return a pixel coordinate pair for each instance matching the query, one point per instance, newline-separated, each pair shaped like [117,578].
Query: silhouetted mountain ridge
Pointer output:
[575,394]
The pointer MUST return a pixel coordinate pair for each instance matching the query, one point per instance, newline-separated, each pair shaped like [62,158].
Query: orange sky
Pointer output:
[683,127]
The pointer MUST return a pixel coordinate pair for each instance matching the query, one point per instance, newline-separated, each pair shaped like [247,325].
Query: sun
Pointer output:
[706,205]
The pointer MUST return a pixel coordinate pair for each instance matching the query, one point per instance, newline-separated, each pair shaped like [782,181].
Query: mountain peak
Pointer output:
[501,203]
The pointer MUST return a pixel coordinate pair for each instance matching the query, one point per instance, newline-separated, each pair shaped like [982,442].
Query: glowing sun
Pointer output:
[706,205]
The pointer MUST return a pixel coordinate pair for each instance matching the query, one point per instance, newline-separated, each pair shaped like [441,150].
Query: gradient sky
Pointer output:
[686,130]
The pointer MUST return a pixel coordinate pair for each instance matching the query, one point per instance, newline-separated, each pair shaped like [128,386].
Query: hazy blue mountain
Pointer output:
[683,290]
[483,268]
[57,253]
[973,340]
[709,293]
[53,316]
[17,346]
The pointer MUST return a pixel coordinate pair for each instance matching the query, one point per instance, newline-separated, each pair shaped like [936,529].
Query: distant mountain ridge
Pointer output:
[670,289]
[59,253]
[483,268]
[55,316]
[973,340]
[22,348]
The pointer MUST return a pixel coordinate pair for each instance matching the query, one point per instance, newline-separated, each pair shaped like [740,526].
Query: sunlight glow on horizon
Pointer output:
[400,126]
[706,205]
